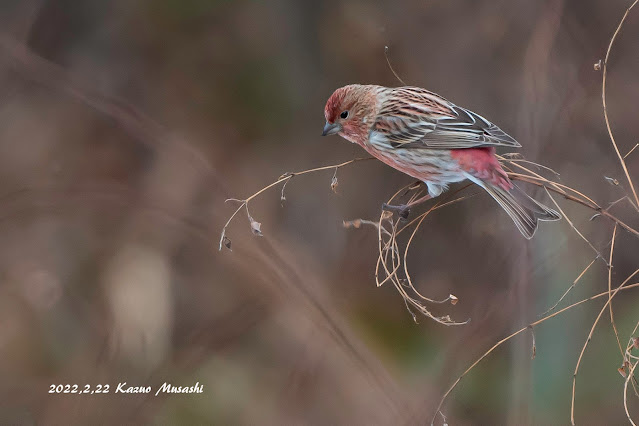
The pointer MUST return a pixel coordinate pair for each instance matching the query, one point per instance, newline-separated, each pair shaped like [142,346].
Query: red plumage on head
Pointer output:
[334,104]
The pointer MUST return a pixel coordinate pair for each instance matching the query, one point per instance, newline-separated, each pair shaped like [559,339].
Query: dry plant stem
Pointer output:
[390,248]
[580,198]
[287,176]
[625,197]
[410,240]
[625,392]
[358,222]
[409,224]
[391,67]
[391,275]
[572,225]
[612,317]
[572,195]
[558,187]
[583,349]
[574,283]
[605,108]
[533,324]
[532,163]
[628,355]
[630,152]
[283,179]
[590,205]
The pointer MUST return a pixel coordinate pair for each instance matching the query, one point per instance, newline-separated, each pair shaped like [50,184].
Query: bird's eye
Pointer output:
[344,115]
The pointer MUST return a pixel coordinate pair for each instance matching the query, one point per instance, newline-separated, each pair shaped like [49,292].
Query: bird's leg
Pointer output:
[403,210]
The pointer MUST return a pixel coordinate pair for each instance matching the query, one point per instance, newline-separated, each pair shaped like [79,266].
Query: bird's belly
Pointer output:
[427,165]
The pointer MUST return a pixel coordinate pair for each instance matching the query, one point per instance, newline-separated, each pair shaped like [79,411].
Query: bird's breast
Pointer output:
[428,165]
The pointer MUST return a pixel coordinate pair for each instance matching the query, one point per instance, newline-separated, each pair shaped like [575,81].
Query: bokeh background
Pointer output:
[124,125]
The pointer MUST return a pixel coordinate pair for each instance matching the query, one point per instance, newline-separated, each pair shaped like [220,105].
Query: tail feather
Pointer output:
[522,209]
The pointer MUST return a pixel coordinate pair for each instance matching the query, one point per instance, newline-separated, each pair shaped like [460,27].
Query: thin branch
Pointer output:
[285,178]
[605,108]
[625,392]
[391,67]
[612,317]
[583,349]
[595,207]
[533,324]
[572,225]
[630,152]
[574,283]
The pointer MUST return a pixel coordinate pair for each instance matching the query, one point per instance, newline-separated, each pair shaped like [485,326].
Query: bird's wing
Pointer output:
[414,117]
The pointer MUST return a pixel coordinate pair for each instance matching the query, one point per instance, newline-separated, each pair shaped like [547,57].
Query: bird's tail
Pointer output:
[521,208]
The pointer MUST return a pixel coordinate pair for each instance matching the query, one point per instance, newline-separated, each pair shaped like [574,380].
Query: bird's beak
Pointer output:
[331,129]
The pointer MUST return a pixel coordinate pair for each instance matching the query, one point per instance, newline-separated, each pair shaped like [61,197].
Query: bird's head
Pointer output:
[349,112]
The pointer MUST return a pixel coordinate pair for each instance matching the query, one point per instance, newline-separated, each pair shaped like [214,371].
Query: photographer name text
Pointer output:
[124,387]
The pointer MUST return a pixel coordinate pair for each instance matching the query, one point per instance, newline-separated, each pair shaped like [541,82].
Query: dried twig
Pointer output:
[630,152]
[612,317]
[572,225]
[625,392]
[389,259]
[583,349]
[576,196]
[391,262]
[574,283]
[605,108]
[255,226]
[521,330]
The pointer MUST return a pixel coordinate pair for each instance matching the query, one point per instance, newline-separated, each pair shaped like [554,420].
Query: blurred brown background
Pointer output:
[124,125]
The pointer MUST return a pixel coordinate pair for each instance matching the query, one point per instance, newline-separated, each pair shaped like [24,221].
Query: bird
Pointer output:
[433,140]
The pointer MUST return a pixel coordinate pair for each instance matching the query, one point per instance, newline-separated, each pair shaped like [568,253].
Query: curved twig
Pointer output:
[532,324]
[605,108]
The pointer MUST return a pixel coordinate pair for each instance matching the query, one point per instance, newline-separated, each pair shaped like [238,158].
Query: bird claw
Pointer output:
[403,211]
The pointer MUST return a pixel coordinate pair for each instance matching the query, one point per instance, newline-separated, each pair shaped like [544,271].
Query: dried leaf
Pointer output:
[622,372]
[612,181]
[334,182]
[453,299]
[597,65]
[283,197]
[386,214]
[255,226]
[223,239]
[357,223]
[635,342]
[227,242]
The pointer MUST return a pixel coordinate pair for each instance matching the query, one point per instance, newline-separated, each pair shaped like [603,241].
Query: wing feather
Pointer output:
[414,117]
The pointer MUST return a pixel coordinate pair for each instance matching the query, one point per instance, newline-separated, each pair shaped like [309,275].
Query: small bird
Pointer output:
[433,140]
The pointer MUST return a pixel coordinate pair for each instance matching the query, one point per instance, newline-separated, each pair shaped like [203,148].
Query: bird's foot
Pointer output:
[403,211]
